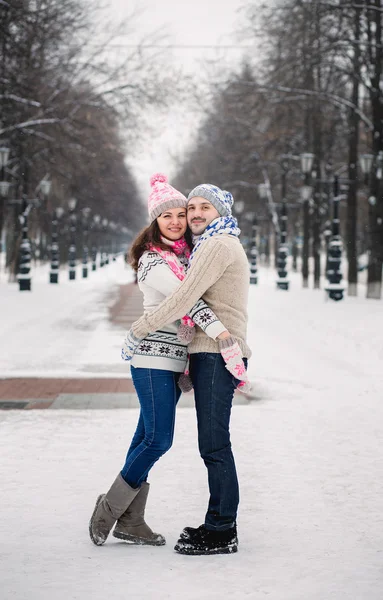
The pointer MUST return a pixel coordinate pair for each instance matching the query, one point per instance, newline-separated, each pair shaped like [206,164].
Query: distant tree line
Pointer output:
[65,110]
[313,84]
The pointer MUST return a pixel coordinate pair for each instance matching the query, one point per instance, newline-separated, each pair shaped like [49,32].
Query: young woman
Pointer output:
[159,255]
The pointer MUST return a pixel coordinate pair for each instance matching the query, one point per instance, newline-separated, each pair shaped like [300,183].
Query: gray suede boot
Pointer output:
[109,507]
[131,526]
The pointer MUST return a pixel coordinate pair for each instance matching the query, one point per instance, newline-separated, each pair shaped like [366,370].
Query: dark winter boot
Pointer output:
[202,541]
[109,507]
[131,526]
[189,532]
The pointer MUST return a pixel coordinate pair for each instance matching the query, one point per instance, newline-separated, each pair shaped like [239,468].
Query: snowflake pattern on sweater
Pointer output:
[163,347]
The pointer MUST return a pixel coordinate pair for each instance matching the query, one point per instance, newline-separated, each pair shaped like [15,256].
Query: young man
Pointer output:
[219,273]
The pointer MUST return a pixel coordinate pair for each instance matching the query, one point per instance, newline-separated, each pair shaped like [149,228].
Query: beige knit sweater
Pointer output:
[219,274]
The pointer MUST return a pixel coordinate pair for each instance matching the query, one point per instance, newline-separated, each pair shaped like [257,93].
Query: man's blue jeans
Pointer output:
[158,394]
[214,390]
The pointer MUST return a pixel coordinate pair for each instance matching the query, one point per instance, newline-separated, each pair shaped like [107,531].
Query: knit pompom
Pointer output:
[185,383]
[158,177]
[185,333]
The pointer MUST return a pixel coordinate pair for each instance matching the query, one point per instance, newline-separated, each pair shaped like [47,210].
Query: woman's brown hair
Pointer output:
[150,236]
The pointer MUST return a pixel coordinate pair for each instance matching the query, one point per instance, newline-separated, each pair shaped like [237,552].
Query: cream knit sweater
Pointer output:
[162,349]
[219,274]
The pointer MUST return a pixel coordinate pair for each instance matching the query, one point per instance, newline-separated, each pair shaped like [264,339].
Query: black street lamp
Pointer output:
[372,167]
[327,237]
[335,288]
[72,203]
[95,231]
[366,162]
[295,249]
[104,260]
[4,185]
[112,228]
[85,232]
[283,281]
[23,276]
[307,159]
[24,270]
[254,253]
[263,194]
[55,249]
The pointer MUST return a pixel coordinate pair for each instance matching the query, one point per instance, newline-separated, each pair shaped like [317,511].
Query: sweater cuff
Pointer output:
[215,329]
[140,328]
[227,342]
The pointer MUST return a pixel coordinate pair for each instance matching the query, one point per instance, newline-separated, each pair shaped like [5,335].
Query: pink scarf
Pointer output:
[178,248]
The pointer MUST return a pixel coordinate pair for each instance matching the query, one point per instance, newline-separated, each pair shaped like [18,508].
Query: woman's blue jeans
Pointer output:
[158,394]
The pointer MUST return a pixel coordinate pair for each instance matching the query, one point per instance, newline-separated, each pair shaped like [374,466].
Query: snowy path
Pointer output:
[62,330]
[309,457]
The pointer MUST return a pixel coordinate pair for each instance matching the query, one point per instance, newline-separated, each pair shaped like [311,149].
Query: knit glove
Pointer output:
[130,344]
[232,355]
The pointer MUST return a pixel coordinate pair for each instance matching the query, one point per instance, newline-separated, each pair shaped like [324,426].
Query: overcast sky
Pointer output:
[186,23]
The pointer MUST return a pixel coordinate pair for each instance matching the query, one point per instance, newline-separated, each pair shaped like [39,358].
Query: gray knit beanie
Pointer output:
[220,199]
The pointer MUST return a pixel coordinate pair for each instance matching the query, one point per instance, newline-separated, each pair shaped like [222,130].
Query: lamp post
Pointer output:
[254,253]
[45,188]
[366,161]
[283,281]
[104,260]
[295,250]
[72,203]
[113,227]
[307,159]
[372,167]
[85,231]
[4,186]
[335,288]
[55,251]
[238,208]
[24,270]
[263,194]
[95,228]
[327,237]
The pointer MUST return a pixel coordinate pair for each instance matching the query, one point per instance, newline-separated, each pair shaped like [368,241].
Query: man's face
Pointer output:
[200,214]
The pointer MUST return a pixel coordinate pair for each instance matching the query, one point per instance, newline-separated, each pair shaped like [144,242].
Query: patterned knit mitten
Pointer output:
[232,355]
[130,344]
[186,330]
[185,383]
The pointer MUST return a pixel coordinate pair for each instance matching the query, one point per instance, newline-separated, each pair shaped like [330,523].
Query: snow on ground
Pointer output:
[62,330]
[309,456]
[300,338]
[310,521]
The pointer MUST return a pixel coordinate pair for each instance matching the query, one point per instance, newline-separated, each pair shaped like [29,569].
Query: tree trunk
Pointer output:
[375,38]
[352,207]
[316,235]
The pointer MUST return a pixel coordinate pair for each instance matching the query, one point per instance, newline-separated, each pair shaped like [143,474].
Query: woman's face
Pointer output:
[173,223]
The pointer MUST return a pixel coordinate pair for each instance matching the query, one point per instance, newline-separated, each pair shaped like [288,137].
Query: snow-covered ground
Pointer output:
[309,456]
[62,330]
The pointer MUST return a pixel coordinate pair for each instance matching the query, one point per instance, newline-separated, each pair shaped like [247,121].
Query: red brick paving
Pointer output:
[48,389]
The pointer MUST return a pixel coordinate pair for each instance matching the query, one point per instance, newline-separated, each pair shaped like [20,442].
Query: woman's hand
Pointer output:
[130,344]
[224,335]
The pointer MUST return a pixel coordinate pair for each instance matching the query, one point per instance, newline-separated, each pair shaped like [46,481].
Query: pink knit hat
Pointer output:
[163,196]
